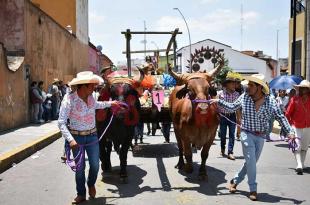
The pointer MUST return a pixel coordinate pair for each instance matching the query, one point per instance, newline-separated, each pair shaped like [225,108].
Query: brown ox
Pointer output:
[194,123]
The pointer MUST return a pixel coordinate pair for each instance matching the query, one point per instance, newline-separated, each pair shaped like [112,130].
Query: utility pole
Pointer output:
[189,38]
[241,29]
[277,52]
[307,34]
[293,12]
[144,40]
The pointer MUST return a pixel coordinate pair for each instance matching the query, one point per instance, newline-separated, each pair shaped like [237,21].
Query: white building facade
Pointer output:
[239,62]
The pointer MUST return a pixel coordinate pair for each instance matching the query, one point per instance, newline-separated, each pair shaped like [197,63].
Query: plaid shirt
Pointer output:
[257,121]
[227,97]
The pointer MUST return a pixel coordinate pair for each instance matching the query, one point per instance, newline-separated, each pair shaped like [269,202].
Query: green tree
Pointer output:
[220,77]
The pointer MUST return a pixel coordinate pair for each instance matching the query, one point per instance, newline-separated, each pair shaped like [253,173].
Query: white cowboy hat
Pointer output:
[303,84]
[259,79]
[56,80]
[86,77]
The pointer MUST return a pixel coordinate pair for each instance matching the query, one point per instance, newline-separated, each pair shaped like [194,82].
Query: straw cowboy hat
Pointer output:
[86,77]
[56,80]
[106,68]
[303,84]
[259,79]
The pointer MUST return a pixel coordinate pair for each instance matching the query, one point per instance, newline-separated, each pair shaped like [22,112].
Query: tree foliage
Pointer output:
[220,77]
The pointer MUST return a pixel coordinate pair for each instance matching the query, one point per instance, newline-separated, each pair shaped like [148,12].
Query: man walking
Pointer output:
[298,114]
[36,101]
[257,108]
[79,108]
[228,117]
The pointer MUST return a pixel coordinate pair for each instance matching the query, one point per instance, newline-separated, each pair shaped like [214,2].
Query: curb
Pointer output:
[20,153]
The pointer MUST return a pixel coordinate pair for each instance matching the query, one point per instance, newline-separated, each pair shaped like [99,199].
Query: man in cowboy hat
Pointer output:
[79,108]
[298,114]
[257,108]
[228,117]
[56,97]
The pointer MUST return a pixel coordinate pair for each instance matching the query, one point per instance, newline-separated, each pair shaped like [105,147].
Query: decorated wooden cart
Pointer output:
[155,103]
[155,98]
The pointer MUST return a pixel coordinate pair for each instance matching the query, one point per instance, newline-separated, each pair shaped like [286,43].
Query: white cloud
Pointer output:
[217,21]
[95,18]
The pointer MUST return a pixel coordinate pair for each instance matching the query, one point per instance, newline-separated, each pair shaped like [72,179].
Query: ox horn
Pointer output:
[180,78]
[210,75]
[141,75]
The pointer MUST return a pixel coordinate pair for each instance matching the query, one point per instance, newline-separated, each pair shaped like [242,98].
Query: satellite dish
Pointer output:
[99,48]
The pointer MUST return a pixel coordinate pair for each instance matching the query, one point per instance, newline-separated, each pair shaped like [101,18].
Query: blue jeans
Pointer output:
[93,159]
[252,146]
[224,123]
[270,128]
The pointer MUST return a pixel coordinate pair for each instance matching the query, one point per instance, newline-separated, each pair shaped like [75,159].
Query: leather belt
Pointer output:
[255,132]
[229,114]
[83,133]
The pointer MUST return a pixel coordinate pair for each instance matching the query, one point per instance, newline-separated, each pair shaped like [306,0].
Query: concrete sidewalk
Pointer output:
[18,144]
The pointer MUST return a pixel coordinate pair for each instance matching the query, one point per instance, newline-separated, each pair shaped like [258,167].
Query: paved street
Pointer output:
[43,179]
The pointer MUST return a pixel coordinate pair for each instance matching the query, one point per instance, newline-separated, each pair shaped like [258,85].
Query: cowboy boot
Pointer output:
[92,191]
[253,196]
[232,186]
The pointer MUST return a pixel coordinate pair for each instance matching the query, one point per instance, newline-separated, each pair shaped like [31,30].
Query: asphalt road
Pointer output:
[44,179]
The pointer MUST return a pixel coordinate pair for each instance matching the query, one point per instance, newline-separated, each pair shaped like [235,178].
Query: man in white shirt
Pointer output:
[79,108]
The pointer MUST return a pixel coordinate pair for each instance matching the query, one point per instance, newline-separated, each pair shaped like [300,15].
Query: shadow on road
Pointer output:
[135,178]
[207,187]
[156,150]
[96,201]
[269,198]
[159,152]
[282,145]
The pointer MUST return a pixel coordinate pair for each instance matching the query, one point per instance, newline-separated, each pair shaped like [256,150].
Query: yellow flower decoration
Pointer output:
[234,75]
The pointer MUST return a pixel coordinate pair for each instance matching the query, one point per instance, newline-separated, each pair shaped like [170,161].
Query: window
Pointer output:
[298,57]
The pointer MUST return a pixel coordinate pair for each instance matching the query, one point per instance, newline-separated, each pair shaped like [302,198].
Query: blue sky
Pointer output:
[218,20]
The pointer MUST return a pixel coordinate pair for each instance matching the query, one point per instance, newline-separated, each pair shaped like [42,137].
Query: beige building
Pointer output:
[68,13]
[30,44]
[300,45]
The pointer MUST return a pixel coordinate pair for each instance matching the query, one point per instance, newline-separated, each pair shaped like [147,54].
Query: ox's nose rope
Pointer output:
[201,101]
[76,163]
[293,144]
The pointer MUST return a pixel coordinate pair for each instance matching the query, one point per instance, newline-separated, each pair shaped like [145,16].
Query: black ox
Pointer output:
[121,129]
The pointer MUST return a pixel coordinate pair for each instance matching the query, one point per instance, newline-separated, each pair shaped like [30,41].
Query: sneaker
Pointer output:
[78,199]
[92,192]
[253,196]
[231,157]
[232,187]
